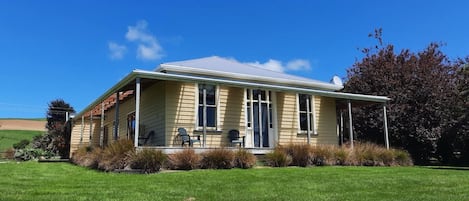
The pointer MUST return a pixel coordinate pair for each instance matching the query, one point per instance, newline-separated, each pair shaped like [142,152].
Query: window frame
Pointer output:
[312,113]
[216,106]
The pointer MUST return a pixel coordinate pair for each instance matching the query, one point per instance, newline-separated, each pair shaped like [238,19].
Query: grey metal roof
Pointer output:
[231,69]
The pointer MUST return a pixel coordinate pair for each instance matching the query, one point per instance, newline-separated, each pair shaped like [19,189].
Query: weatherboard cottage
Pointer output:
[211,96]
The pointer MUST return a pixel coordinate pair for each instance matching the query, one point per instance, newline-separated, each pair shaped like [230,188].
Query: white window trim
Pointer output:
[217,104]
[127,123]
[312,103]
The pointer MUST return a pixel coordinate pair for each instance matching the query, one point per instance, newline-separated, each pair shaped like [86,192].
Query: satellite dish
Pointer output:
[337,81]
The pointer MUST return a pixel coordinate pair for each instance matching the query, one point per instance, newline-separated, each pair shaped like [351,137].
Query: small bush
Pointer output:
[87,157]
[278,158]
[300,154]
[244,159]
[402,158]
[115,155]
[385,157]
[9,154]
[186,159]
[27,154]
[342,156]
[148,160]
[21,145]
[323,155]
[217,159]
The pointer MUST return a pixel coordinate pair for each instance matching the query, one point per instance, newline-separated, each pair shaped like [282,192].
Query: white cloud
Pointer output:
[275,65]
[148,46]
[116,51]
[298,65]
[272,65]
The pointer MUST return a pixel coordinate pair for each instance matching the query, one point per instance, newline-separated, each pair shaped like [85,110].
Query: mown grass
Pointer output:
[10,137]
[63,181]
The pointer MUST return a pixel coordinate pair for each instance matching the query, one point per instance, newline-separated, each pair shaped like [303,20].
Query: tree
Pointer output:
[57,139]
[421,87]
[454,145]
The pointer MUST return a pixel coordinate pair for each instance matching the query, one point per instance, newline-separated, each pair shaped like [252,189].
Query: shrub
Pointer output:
[186,159]
[278,158]
[9,154]
[27,154]
[341,156]
[87,157]
[385,157]
[115,155]
[148,160]
[366,154]
[402,158]
[21,145]
[217,159]
[323,155]
[300,154]
[244,159]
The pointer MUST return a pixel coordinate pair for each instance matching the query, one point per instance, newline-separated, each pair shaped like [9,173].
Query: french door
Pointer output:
[259,118]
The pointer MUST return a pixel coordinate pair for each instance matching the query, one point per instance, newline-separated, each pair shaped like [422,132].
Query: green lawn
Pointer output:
[10,137]
[63,181]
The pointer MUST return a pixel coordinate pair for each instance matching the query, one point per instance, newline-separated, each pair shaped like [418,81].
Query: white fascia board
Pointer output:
[185,69]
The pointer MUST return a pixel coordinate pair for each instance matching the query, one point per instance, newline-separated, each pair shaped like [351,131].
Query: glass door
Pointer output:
[259,117]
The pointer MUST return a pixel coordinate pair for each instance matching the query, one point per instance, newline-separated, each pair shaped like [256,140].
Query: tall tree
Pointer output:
[454,145]
[57,140]
[420,86]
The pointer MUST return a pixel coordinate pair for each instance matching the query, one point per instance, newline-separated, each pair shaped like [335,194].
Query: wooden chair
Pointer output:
[234,137]
[185,138]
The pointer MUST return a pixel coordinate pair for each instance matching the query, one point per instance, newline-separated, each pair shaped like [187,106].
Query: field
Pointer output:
[63,181]
[10,137]
[23,124]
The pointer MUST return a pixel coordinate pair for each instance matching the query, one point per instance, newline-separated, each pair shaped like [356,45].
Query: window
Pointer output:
[306,113]
[209,102]
[131,126]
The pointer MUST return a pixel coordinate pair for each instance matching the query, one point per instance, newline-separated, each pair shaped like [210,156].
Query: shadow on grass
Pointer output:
[448,168]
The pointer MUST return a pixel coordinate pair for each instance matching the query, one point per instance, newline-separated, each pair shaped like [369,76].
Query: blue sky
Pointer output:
[76,50]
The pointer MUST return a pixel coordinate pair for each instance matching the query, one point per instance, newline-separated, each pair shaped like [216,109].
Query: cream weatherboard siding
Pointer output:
[287,115]
[287,119]
[152,113]
[326,121]
[232,113]
[179,110]
[76,134]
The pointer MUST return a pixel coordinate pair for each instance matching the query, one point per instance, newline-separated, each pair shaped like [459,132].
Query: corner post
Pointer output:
[308,120]
[204,94]
[116,120]
[350,123]
[137,111]
[101,133]
[385,119]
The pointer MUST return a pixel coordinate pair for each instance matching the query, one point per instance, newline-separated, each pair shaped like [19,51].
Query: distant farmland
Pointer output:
[23,124]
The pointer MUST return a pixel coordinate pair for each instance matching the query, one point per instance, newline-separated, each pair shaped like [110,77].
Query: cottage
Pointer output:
[209,97]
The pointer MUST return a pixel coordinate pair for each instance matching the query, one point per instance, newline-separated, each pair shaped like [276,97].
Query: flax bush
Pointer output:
[300,154]
[186,159]
[244,159]
[278,158]
[148,160]
[87,157]
[115,156]
[217,159]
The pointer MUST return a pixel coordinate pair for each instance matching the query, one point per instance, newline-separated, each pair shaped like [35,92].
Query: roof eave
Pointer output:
[185,69]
